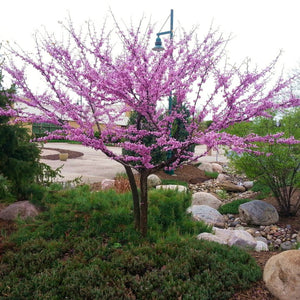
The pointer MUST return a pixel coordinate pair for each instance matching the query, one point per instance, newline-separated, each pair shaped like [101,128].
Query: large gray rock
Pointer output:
[239,238]
[153,180]
[258,212]
[179,188]
[20,209]
[206,167]
[282,275]
[202,198]
[207,214]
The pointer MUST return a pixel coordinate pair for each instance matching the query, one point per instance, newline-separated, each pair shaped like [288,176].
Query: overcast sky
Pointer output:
[260,28]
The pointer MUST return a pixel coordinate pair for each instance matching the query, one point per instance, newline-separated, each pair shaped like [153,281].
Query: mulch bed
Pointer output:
[71,154]
[187,173]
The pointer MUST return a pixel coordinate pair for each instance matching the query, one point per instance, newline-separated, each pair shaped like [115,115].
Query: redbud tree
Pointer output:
[114,76]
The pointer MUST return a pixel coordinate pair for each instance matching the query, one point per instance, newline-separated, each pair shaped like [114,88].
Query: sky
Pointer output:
[260,29]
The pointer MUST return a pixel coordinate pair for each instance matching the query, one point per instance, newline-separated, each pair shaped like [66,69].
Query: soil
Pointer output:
[190,174]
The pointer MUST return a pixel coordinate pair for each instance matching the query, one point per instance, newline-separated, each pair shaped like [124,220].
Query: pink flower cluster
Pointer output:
[110,86]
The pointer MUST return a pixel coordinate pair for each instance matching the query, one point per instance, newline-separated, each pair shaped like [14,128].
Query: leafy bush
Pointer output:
[262,189]
[280,170]
[232,207]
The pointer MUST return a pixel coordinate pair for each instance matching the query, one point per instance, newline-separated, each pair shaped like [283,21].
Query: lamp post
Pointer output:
[158,47]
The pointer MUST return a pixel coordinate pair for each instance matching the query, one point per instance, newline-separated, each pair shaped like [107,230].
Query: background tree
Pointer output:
[85,64]
[279,165]
[19,159]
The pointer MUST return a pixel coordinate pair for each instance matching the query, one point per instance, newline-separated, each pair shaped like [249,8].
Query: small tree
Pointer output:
[86,66]
[279,165]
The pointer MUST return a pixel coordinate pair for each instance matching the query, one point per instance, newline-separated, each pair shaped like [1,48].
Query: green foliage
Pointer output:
[262,189]
[213,175]
[178,132]
[5,188]
[174,181]
[222,194]
[279,171]
[83,246]
[19,158]
[232,207]
[167,214]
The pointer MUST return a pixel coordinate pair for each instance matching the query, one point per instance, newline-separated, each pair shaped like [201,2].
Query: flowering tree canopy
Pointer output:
[87,66]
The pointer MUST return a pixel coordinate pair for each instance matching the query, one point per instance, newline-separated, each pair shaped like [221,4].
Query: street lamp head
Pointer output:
[158,45]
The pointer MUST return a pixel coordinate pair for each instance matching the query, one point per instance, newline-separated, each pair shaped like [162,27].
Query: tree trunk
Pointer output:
[144,203]
[135,198]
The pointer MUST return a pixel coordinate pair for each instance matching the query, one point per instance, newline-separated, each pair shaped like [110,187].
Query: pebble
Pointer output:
[275,236]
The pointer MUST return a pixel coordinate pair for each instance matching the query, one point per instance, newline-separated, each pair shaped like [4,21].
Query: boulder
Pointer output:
[153,180]
[206,167]
[242,239]
[179,188]
[211,238]
[258,212]
[202,198]
[20,209]
[261,246]
[222,178]
[207,214]
[217,168]
[282,276]
[231,187]
[248,185]
[239,238]
[107,184]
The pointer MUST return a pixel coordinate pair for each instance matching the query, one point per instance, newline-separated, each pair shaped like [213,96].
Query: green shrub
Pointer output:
[84,246]
[5,188]
[278,168]
[189,269]
[262,189]
[232,207]
[213,175]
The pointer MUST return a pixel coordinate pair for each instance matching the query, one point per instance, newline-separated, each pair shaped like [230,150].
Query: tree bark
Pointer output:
[135,198]
[144,203]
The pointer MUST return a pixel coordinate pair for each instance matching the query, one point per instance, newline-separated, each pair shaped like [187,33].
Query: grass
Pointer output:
[174,182]
[232,207]
[212,175]
[84,246]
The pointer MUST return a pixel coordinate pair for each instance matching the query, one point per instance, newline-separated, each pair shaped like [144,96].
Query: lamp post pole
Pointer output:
[158,47]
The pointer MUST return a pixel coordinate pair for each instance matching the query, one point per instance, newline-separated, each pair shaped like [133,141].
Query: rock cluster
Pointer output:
[274,236]
[256,217]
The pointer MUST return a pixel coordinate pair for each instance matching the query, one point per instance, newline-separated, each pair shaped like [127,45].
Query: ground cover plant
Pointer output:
[84,246]
[232,207]
[86,65]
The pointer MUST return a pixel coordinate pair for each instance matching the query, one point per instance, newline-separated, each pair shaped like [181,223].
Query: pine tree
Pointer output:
[19,159]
